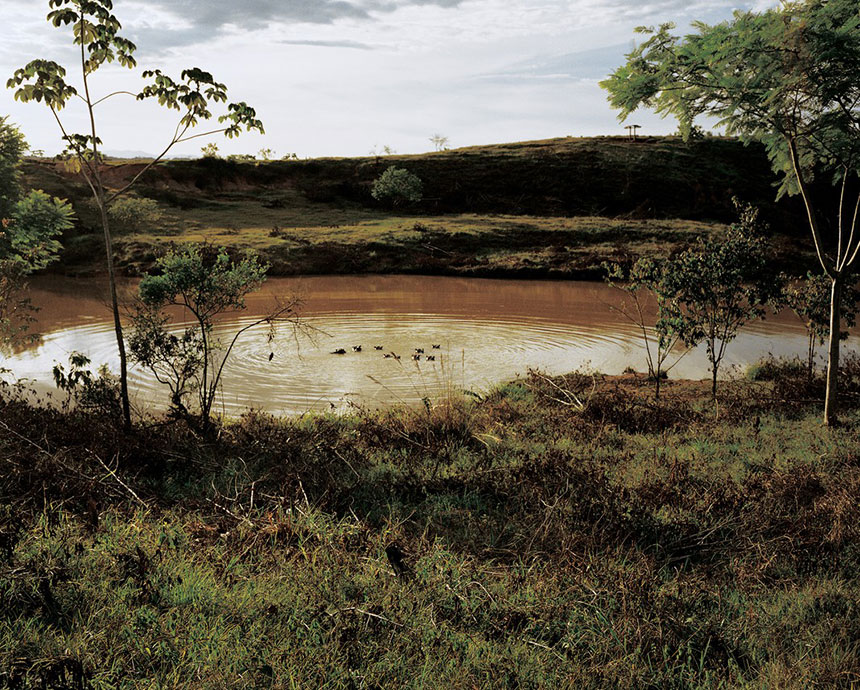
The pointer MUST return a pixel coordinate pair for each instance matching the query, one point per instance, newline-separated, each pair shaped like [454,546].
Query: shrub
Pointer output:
[134,214]
[397,186]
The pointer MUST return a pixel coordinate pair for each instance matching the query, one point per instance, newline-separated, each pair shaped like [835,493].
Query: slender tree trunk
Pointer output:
[715,365]
[714,381]
[117,323]
[830,400]
[810,357]
[657,385]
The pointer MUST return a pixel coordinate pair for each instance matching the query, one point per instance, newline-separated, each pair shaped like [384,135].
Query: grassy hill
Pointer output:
[553,207]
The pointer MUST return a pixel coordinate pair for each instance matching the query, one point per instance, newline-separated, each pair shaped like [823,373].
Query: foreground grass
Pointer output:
[517,541]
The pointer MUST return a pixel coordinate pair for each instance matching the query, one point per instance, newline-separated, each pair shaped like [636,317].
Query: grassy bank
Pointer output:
[558,207]
[521,540]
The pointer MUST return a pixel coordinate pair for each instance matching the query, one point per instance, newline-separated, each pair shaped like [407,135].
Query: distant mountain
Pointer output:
[129,153]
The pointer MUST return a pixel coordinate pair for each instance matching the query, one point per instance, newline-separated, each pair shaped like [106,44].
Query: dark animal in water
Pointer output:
[416,357]
[339,351]
[436,347]
[431,358]
[356,348]
[271,356]
[419,350]
[377,347]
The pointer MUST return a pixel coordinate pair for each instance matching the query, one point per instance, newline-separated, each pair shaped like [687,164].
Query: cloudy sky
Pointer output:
[345,77]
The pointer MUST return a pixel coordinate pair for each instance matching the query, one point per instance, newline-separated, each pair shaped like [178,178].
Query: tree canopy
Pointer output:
[29,227]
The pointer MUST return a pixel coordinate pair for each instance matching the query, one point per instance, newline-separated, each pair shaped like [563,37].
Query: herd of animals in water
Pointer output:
[416,355]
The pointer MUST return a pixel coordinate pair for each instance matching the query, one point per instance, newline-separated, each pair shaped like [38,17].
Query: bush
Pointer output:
[397,186]
[134,214]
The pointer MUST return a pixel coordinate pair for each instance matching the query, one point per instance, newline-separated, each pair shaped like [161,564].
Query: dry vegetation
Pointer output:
[522,540]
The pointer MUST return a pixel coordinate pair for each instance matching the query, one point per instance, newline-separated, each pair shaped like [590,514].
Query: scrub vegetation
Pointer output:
[518,540]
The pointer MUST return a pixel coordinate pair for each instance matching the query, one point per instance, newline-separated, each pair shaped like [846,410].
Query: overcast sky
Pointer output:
[344,77]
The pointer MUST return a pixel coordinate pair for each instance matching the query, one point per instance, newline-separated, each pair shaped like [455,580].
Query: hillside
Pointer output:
[318,215]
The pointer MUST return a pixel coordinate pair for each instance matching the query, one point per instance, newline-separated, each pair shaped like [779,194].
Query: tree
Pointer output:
[787,78]
[810,300]
[397,186]
[95,30]
[439,142]
[715,287]
[28,243]
[207,283]
[29,227]
[12,148]
[133,214]
[210,150]
[649,276]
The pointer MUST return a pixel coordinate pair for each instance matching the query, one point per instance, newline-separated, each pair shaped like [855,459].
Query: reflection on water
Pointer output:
[488,331]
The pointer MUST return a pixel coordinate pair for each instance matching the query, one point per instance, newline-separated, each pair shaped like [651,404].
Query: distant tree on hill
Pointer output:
[397,186]
[440,142]
[133,214]
[210,150]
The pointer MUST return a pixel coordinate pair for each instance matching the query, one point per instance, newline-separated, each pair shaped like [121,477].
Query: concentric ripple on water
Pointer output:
[487,331]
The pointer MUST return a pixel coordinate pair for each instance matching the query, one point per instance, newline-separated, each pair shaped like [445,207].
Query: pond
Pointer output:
[487,331]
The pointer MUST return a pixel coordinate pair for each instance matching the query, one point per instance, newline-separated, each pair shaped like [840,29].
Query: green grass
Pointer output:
[464,243]
[624,544]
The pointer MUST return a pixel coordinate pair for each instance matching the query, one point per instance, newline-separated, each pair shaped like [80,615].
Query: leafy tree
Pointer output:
[207,283]
[786,78]
[397,186]
[210,150]
[29,227]
[132,214]
[439,142]
[95,31]
[649,277]
[715,287]
[810,300]
[12,148]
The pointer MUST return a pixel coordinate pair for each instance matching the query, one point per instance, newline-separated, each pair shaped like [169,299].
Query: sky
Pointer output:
[351,77]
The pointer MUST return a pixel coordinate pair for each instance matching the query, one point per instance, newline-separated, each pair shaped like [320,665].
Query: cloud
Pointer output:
[255,14]
[189,22]
[330,44]
[581,65]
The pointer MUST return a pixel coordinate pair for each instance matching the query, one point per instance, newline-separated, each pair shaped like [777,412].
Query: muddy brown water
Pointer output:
[489,331]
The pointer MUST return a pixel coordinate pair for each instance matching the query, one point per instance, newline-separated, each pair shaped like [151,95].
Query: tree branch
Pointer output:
[111,95]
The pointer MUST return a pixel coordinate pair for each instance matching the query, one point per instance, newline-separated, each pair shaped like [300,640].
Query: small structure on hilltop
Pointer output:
[631,131]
